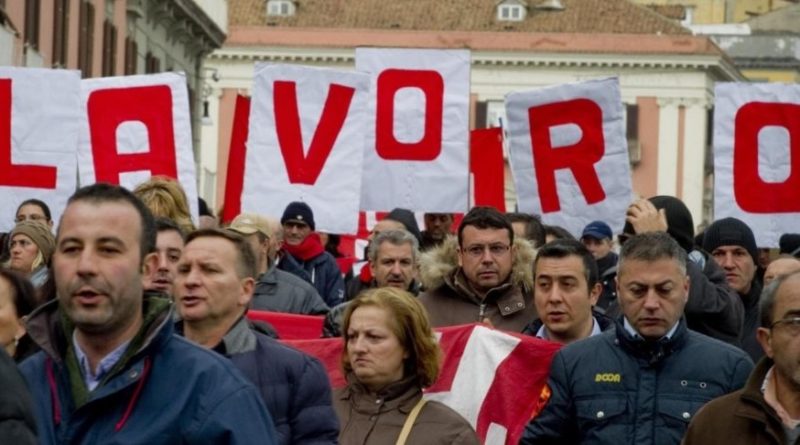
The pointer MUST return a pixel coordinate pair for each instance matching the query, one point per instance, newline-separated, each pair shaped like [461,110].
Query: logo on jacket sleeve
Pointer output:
[608,377]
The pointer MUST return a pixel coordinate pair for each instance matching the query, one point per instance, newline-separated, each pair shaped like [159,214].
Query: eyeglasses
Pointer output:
[792,325]
[496,250]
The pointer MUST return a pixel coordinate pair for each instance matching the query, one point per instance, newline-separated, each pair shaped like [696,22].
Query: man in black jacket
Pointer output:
[713,308]
[733,247]
[17,425]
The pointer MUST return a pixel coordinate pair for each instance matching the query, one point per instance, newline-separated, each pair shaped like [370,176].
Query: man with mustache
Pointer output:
[111,369]
[642,382]
[566,288]
[733,247]
[483,276]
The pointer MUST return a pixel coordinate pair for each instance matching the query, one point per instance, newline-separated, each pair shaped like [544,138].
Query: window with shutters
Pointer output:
[32,18]
[280,8]
[151,64]
[60,32]
[131,55]
[109,47]
[85,38]
[632,133]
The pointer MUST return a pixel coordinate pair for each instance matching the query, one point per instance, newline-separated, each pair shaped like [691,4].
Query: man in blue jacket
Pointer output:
[304,255]
[110,370]
[213,289]
[642,382]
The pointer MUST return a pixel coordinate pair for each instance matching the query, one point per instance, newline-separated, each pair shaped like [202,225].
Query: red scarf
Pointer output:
[365,276]
[310,248]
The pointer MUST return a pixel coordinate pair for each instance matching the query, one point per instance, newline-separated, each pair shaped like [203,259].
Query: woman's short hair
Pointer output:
[409,323]
[165,198]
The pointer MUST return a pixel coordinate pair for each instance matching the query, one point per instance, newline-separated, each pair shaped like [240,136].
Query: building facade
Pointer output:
[667,75]
[115,37]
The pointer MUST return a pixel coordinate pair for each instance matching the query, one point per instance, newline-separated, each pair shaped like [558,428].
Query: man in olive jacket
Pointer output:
[764,411]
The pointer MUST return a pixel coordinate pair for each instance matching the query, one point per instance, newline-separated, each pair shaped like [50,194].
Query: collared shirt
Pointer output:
[629,328]
[790,425]
[543,334]
[103,367]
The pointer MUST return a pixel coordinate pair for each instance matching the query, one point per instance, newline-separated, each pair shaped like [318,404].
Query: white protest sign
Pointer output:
[306,143]
[757,157]
[39,122]
[568,153]
[417,151]
[137,127]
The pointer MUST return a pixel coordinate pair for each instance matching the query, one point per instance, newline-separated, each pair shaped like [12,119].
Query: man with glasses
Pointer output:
[476,278]
[766,410]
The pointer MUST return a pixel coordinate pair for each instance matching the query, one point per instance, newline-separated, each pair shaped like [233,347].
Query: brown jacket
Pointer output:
[450,301]
[741,417]
[377,419]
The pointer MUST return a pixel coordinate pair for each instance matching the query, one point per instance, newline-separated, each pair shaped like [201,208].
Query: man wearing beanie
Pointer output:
[733,246]
[304,255]
[713,308]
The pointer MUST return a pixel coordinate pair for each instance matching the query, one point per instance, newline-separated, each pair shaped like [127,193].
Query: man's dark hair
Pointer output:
[557,232]
[652,246]
[245,256]
[38,203]
[534,229]
[766,304]
[485,218]
[166,224]
[562,248]
[100,193]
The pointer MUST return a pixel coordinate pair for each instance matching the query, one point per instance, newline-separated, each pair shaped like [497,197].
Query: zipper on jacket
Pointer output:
[482,312]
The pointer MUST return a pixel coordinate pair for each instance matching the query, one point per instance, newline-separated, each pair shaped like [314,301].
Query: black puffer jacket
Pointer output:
[16,406]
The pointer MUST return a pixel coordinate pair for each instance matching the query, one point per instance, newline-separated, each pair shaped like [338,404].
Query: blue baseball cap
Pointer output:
[597,230]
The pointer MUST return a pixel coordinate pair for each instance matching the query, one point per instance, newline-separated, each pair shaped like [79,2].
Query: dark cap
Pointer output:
[298,212]
[407,219]
[790,244]
[597,230]
[730,232]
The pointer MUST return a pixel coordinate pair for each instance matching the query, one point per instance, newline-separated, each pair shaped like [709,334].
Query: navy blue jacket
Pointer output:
[294,385]
[322,271]
[614,389]
[169,391]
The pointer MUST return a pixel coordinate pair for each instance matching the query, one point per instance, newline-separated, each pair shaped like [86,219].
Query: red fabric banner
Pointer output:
[486,165]
[234,181]
[291,326]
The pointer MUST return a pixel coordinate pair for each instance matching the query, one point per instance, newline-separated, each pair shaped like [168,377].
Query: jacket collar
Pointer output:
[239,339]
[49,327]
[653,352]
[401,395]
[754,407]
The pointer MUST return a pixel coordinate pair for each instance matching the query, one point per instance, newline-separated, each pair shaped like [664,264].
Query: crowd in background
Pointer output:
[129,321]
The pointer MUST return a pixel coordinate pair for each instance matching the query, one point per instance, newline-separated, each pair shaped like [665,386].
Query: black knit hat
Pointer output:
[790,244]
[299,212]
[407,219]
[680,225]
[730,232]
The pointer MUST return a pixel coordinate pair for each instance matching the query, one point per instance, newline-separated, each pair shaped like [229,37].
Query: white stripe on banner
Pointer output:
[485,350]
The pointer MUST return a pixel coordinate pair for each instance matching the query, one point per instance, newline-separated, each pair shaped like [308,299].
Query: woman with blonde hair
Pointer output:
[390,355]
[165,198]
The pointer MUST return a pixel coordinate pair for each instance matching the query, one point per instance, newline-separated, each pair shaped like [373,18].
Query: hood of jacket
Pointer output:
[442,261]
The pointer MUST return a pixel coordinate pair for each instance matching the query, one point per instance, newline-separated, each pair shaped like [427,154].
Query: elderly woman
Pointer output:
[31,244]
[16,301]
[390,354]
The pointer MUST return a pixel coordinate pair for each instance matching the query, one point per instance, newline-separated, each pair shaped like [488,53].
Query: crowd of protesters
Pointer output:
[128,324]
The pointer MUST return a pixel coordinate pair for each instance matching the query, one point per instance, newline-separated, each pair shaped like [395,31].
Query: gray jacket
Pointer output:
[280,291]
